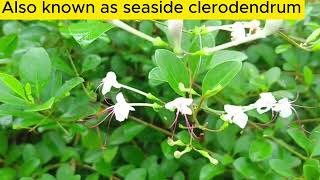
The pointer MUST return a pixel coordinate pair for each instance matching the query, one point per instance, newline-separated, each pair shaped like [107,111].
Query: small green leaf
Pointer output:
[219,77]
[86,32]
[66,172]
[155,77]
[260,150]
[125,133]
[137,174]
[308,75]
[225,56]
[91,62]
[281,167]
[103,168]
[300,138]
[209,171]
[8,173]
[67,86]
[127,154]
[247,168]
[110,153]
[45,106]
[14,84]
[282,48]
[272,75]
[8,45]
[313,36]
[173,69]
[29,166]
[311,172]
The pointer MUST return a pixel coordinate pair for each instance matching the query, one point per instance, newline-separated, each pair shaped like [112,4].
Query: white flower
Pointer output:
[284,108]
[175,30]
[121,109]
[180,104]
[108,82]
[235,114]
[238,31]
[265,103]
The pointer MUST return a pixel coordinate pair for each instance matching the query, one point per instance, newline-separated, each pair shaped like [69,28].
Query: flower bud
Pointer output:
[177,154]
[175,30]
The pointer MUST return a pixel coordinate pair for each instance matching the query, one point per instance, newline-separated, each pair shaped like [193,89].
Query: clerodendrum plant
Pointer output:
[175,69]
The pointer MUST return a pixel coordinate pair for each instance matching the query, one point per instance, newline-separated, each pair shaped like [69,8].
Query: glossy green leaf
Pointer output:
[91,62]
[68,86]
[260,150]
[7,45]
[281,167]
[308,75]
[35,68]
[125,133]
[29,166]
[137,174]
[103,168]
[246,168]
[110,153]
[14,84]
[226,56]
[66,172]
[173,69]
[86,32]
[209,171]
[219,77]
[45,106]
[300,138]
[156,77]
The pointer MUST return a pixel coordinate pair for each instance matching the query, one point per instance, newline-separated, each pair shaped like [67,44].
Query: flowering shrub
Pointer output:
[160,99]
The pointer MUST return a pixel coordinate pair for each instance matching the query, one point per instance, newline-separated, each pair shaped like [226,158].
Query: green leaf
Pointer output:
[313,36]
[308,75]
[137,174]
[35,68]
[8,45]
[91,62]
[173,69]
[132,154]
[260,150]
[282,48]
[156,77]
[7,173]
[110,153]
[86,32]
[272,75]
[29,166]
[68,86]
[91,140]
[45,106]
[103,168]
[281,167]
[65,172]
[14,84]
[209,171]
[219,77]
[247,168]
[226,56]
[126,133]
[300,138]
[47,177]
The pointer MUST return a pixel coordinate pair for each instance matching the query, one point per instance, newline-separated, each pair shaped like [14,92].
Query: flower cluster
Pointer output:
[121,109]
[266,102]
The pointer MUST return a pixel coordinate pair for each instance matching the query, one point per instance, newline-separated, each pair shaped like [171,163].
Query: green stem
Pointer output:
[78,75]
[164,131]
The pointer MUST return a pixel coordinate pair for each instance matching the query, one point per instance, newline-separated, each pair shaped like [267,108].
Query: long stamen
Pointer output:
[308,107]
[190,128]
[106,110]
[174,124]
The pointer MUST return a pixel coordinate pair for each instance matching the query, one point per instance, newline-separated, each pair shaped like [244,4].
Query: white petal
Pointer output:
[170,106]
[241,120]
[285,112]
[186,110]
[105,88]
[120,98]
[187,101]
[232,109]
